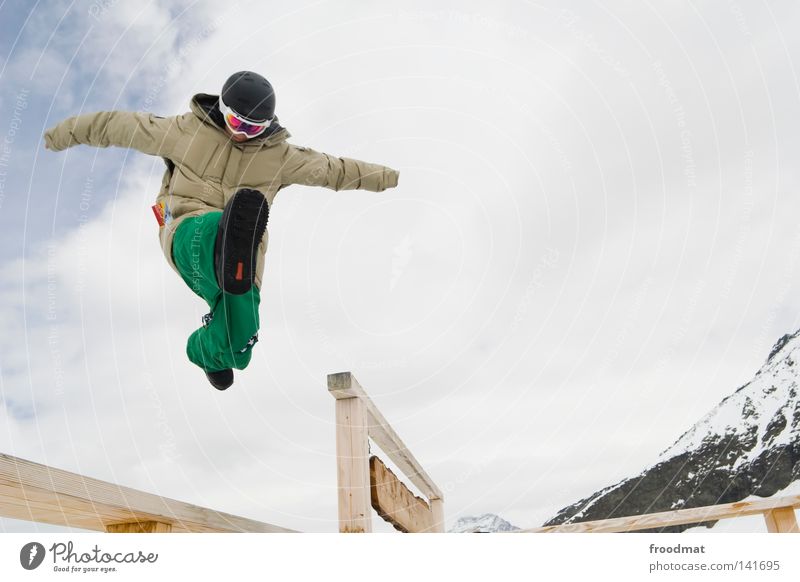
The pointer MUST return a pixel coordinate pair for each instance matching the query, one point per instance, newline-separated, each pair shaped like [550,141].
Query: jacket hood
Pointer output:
[206,107]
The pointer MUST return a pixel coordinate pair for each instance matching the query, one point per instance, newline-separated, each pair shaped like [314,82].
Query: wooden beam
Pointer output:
[437,508]
[34,492]
[676,517]
[781,520]
[342,386]
[395,503]
[139,527]
[352,466]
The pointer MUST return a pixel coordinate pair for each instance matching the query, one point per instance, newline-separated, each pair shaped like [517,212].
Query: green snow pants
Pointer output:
[226,341]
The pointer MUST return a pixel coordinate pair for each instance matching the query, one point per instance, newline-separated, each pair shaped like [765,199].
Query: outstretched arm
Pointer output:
[312,168]
[144,132]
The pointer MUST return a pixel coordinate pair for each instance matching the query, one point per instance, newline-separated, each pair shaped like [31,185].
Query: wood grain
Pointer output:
[352,469]
[395,503]
[677,517]
[781,520]
[139,527]
[35,492]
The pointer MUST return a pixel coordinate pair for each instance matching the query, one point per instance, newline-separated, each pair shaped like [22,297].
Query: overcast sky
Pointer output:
[593,241]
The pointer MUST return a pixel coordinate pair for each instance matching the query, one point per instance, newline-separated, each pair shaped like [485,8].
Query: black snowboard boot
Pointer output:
[221,380]
[241,227]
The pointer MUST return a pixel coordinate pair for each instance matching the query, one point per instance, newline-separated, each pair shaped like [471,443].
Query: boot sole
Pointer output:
[218,384]
[241,228]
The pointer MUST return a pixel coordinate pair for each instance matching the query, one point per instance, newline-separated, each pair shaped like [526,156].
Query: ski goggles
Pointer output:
[238,124]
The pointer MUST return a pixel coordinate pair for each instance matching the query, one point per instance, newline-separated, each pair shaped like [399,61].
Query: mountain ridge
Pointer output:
[484,523]
[748,444]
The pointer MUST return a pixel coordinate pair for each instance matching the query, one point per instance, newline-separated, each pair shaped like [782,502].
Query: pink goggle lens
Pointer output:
[237,124]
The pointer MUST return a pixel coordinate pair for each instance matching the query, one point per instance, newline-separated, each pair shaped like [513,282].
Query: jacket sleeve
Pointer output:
[311,168]
[144,132]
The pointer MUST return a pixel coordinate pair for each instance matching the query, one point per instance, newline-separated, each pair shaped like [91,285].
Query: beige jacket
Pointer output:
[205,167]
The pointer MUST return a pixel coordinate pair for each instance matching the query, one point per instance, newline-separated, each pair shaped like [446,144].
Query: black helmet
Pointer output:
[250,96]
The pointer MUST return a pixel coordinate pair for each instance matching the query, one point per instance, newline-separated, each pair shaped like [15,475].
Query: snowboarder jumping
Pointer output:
[226,160]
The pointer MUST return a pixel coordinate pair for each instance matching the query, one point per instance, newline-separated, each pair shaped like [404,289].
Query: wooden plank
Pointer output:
[395,503]
[35,492]
[343,385]
[352,466]
[676,517]
[139,527]
[781,520]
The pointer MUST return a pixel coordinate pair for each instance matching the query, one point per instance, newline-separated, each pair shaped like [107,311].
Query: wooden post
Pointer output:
[140,527]
[352,471]
[437,508]
[353,462]
[781,520]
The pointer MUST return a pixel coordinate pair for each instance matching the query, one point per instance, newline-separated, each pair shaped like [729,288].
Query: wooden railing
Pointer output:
[364,481]
[34,492]
[779,513]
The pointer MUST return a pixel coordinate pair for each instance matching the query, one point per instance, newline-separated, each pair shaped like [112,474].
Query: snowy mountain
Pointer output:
[486,523]
[748,445]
